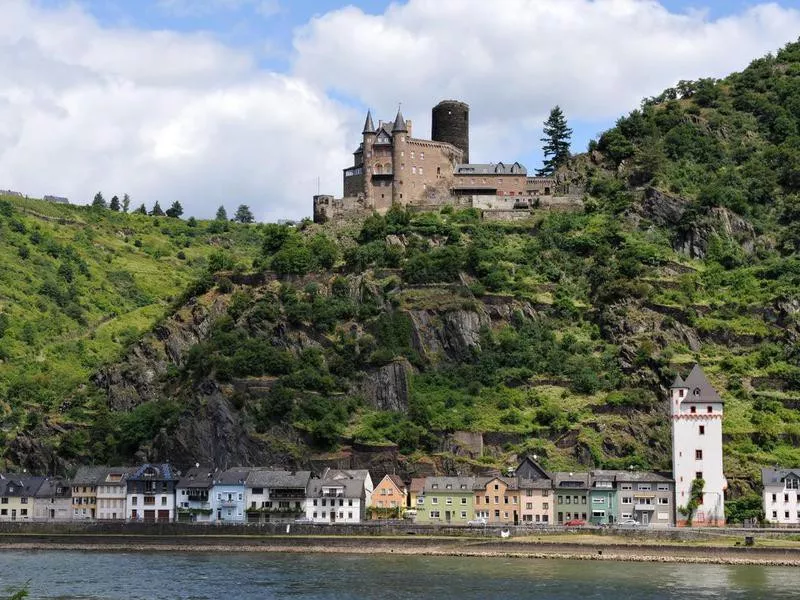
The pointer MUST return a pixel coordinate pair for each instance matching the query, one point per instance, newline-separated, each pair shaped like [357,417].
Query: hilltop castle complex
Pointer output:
[390,166]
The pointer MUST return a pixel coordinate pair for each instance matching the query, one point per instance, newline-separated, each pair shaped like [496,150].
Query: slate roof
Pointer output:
[50,487]
[399,122]
[197,478]
[16,485]
[621,475]
[563,479]
[491,169]
[700,389]
[527,464]
[353,482]
[455,482]
[164,472]
[234,476]
[417,485]
[535,484]
[481,482]
[278,479]
[92,476]
[369,126]
[777,476]
[678,383]
[397,481]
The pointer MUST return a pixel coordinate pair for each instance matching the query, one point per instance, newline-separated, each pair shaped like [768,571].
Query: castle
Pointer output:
[391,167]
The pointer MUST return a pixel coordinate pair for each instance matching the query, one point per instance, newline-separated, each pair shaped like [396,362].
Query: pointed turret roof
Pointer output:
[399,122]
[369,126]
[678,383]
[700,389]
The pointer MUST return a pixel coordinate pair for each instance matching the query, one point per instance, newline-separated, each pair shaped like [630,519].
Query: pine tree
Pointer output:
[556,142]
[157,211]
[222,214]
[114,204]
[99,201]
[126,202]
[175,211]
[142,210]
[243,214]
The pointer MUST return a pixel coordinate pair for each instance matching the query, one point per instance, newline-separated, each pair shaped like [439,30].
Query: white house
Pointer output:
[339,496]
[151,494]
[112,491]
[696,410]
[193,497]
[275,496]
[781,496]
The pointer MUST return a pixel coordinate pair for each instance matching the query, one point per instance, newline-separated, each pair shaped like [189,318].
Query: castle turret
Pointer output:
[696,410]
[450,123]
[399,143]
[369,126]
[368,159]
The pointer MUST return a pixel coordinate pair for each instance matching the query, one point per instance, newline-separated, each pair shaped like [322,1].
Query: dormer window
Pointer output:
[696,391]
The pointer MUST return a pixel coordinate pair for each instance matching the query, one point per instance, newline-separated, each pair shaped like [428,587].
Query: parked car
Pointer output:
[628,523]
[575,523]
[303,520]
[478,521]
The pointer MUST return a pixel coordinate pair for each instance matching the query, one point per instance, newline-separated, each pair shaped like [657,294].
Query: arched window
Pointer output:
[378,168]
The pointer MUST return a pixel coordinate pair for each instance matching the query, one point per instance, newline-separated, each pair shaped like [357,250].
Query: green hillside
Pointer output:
[434,342]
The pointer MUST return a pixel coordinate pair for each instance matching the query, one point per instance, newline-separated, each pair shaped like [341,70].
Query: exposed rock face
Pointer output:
[693,240]
[453,334]
[387,388]
[135,379]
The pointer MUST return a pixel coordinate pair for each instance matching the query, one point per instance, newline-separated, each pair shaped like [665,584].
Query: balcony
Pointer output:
[228,503]
[644,507]
[332,494]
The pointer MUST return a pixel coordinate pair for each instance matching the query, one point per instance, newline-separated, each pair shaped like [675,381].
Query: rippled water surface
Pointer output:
[338,576]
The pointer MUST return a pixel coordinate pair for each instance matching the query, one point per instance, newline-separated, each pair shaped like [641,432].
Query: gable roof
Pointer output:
[93,475]
[265,478]
[233,476]
[417,485]
[700,389]
[395,480]
[535,484]
[482,482]
[197,478]
[530,469]
[777,476]
[14,484]
[353,482]
[51,486]
[457,484]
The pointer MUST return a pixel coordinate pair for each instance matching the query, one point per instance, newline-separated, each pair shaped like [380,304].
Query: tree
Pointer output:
[126,202]
[142,210]
[556,142]
[114,204]
[192,222]
[99,201]
[175,211]
[157,212]
[243,214]
[222,214]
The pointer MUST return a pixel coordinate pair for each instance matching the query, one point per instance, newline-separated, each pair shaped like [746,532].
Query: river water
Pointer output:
[196,576]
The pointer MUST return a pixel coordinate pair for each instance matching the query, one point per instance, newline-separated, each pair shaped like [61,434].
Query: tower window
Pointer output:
[698,475]
[710,409]
[693,409]
[698,455]
[702,429]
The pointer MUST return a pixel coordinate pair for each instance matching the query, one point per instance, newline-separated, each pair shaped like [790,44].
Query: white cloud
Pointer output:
[512,60]
[162,116]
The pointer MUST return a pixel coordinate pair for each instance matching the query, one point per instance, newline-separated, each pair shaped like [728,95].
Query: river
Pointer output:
[199,576]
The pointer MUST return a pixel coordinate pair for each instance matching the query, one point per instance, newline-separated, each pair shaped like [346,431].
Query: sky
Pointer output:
[261,102]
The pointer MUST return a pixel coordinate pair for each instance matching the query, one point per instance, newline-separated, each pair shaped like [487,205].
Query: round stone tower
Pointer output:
[450,123]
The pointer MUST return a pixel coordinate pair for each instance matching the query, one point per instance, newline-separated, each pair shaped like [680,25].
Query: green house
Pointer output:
[446,501]
[571,491]
[603,500]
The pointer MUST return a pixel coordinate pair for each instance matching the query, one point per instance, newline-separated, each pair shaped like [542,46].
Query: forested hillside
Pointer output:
[434,342]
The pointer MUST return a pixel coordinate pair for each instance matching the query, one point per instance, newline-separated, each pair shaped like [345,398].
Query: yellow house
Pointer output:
[17,496]
[84,492]
[388,498]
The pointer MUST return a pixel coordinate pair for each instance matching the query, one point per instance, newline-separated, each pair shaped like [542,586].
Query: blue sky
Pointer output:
[221,101]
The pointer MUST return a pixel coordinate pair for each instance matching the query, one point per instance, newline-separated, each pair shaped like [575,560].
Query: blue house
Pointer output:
[228,495]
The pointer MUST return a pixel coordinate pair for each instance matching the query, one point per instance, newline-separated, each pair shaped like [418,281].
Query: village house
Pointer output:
[275,496]
[151,494]
[571,492]
[84,492]
[497,500]
[17,496]
[228,494]
[648,498]
[112,492]
[446,500]
[781,496]
[193,501]
[52,502]
[389,498]
[339,496]
[603,498]
[535,492]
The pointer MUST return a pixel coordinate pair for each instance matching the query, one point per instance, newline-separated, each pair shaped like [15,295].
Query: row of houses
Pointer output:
[157,493]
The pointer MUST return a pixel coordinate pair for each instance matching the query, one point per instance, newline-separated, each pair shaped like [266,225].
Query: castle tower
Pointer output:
[399,142]
[368,158]
[450,123]
[696,410]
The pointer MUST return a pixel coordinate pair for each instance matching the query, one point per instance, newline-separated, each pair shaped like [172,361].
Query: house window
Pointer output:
[349,515]
[626,486]
[663,500]
[420,500]
[545,505]
[464,500]
[598,500]
[163,500]
[497,514]
[350,502]
[463,514]
[627,500]
[693,409]
[434,514]
[774,497]
[786,497]
[545,493]
[435,486]
[568,500]
[698,455]
[133,501]
[786,515]
[448,500]
[644,487]
[792,484]
[529,506]
[663,487]
[774,514]
[434,500]
[709,409]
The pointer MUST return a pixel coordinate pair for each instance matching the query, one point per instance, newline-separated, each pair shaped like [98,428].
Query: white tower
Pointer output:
[696,410]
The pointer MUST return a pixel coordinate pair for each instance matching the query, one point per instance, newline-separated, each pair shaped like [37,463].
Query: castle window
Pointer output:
[414,170]
[412,154]
[420,170]
[422,156]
